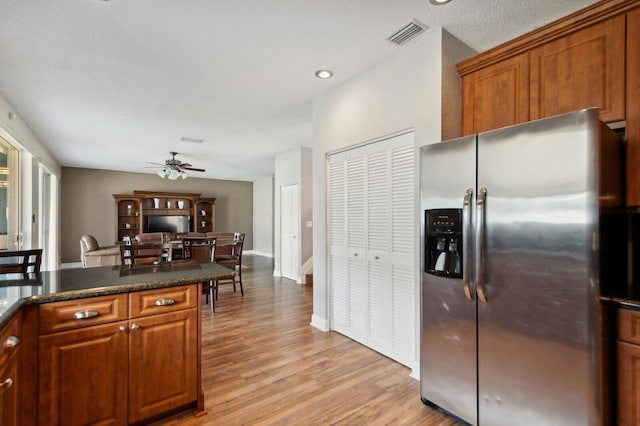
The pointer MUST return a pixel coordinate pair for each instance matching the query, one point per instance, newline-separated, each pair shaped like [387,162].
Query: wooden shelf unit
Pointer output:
[131,210]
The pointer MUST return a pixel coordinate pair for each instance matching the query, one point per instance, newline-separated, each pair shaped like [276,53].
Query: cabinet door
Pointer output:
[9,392]
[628,384]
[496,96]
[633,108]
[581,70]
[163,363]
[83,376]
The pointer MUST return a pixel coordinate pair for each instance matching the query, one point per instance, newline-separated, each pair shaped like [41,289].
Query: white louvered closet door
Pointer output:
[337,273]
[356,254]
[378,260]
[403,243]
[371,246]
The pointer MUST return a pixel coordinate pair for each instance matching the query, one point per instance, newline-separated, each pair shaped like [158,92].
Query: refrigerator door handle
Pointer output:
[466,253]
[480,262]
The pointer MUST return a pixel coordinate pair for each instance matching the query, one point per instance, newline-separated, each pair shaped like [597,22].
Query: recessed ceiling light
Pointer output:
[439,2]
[324,74]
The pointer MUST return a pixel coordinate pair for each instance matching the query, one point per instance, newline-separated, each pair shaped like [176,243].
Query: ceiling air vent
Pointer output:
[190,140]
[407,32]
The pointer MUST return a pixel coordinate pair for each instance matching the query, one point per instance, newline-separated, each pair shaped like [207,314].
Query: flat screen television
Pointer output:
[167,223]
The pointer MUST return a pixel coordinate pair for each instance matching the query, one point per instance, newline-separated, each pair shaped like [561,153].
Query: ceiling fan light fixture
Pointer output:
[162,173]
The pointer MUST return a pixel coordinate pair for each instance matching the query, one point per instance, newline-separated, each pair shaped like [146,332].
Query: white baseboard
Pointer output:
[277,273]
[307,267]
[319,323]
[415,371]
[71,265]
[259,253]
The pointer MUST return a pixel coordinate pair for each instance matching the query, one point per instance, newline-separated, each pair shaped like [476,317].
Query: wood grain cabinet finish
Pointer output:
[83,376]
[581,70]
[496,96]
[138,358]
[589,58]
[163,363]
[633,108]
[628,367]
[10,380]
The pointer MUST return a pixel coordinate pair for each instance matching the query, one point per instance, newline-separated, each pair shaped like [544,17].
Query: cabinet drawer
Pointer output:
[77,313]
[10,337]
[629,326]
[151,302]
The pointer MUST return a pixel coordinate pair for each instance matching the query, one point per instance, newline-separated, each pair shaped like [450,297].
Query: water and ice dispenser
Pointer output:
[443,242]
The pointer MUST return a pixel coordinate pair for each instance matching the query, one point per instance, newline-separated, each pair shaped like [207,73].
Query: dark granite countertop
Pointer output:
[17,290]
[624,298]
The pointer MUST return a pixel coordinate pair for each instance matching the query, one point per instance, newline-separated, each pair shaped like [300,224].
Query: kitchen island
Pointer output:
[116,345]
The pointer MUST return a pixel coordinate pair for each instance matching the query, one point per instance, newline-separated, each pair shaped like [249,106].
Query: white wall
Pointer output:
[293,167]
[403,92]
[263,199]
[33,152]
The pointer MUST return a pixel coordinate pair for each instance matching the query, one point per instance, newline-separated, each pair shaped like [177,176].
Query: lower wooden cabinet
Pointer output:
[125,371]
[83,376]
[10,380]
[163,363]
[628,366]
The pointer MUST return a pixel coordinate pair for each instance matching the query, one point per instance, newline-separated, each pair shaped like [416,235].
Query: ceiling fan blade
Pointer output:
[155,164]
[184,165]
[193,169]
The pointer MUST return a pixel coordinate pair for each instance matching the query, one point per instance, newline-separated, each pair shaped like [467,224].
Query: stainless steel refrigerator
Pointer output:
[516,223]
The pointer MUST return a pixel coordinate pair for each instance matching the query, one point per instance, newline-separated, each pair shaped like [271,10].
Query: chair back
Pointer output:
[200,248]
[144,254]
[88,243]
[239,244]
[20,261]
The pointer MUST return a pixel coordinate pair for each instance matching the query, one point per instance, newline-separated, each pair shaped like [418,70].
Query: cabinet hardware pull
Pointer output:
[165,301]
[6,384]
[134,326]
[122,329]
[11,342]
[87,313]
[377,257]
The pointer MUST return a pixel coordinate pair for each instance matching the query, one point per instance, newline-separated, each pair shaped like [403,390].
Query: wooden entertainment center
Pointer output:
[132,210]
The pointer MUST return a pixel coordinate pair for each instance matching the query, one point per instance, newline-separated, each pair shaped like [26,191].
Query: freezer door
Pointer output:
[448,332]
[537,242]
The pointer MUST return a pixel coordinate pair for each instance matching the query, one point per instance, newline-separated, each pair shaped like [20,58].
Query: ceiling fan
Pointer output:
[173,169]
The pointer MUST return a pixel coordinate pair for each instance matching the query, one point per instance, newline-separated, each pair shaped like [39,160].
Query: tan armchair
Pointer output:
[93,255]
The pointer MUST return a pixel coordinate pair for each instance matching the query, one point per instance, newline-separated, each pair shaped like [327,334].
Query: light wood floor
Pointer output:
[263,364]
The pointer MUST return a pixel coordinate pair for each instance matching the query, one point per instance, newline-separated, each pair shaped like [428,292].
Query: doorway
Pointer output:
[289,229]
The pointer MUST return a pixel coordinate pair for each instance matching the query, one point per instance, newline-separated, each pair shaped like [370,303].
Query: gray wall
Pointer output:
[88,206]
[263,216]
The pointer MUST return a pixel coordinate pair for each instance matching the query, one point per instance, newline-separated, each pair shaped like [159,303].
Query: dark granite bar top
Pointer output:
[17,290]
[624,297]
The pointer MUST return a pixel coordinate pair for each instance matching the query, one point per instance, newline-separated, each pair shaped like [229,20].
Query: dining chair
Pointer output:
[233,261]
[203,249]
[21,261]
[144,254]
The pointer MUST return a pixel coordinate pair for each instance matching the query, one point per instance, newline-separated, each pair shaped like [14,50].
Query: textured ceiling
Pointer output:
[113,84]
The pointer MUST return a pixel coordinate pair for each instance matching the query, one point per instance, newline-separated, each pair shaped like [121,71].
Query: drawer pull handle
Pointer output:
[165,301]
[11,342]
[135,326]
[6,384]
[87,313]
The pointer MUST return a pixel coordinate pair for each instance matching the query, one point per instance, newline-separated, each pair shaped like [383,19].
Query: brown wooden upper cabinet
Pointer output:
[581,70]
[587,59]
[482,109]
[633,108]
